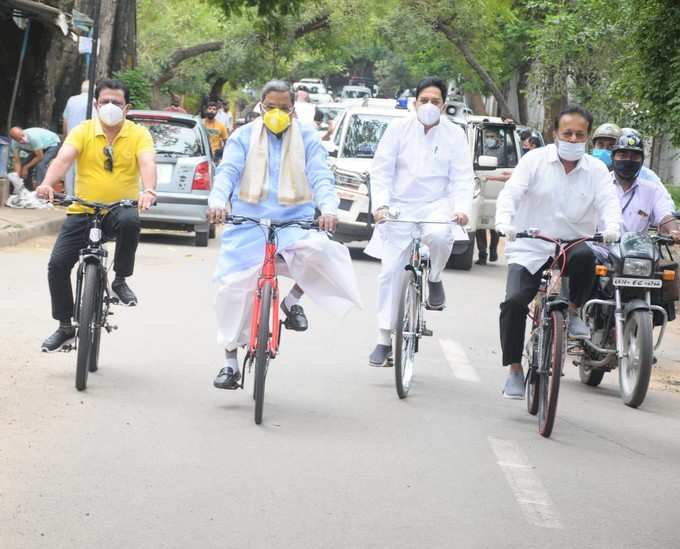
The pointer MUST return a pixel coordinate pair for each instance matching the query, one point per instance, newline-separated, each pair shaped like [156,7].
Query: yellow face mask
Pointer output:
[276,120]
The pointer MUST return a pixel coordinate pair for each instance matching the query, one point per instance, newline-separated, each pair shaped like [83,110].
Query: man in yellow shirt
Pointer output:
[112,154]
[217,132]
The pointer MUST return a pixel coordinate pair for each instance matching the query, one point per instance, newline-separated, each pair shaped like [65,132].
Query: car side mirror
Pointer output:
[487,162]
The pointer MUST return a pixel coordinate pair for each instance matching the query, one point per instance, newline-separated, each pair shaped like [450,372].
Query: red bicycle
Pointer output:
[265,325]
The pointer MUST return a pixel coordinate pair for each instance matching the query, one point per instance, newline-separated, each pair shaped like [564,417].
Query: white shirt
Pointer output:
[411,167]
[75,111]
[649,175]
[643,204]
[226,119]
[305,112]
[540,194]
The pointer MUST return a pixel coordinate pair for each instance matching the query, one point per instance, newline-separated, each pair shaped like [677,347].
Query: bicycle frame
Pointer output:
[267,278]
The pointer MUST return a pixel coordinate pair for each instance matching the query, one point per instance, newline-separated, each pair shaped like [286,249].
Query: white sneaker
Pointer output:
[514,386]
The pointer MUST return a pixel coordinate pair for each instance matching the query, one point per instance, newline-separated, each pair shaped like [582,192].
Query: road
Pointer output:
[151,455]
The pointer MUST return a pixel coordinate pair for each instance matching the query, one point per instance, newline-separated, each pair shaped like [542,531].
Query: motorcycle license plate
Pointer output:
[638,282]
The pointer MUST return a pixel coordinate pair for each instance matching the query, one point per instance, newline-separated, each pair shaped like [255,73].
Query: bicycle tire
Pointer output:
[550,376]
[407,322]
[88,325]
[262,351]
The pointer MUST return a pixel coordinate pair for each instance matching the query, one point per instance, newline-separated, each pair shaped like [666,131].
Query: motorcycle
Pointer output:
[634,291]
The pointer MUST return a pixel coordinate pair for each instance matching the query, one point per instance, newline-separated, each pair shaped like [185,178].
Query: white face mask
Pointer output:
[570,151]
[110,114]
[428,114]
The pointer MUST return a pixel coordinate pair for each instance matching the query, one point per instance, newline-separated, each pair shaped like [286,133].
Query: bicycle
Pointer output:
[265,324]
[411,325]
[547,346]
[93,298]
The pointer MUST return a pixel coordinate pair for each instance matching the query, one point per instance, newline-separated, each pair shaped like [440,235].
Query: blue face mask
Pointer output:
[605,155]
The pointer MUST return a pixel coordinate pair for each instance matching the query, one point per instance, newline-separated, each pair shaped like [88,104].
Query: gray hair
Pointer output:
[277,86]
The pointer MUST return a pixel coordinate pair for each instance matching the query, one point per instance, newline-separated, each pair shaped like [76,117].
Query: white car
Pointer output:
[355,92]
[313,85]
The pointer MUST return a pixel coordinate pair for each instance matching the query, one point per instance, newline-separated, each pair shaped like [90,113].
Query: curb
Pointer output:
[14,236]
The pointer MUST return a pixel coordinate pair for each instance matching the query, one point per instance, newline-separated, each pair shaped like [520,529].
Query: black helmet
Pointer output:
[628,141]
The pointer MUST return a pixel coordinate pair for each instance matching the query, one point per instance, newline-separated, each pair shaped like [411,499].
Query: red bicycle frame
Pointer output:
[267,278]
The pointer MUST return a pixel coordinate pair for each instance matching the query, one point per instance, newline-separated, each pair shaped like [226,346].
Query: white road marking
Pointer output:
[458,360]
[527,488]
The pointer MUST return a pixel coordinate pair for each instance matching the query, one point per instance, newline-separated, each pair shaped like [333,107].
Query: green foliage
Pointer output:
[675,194]
[139,85]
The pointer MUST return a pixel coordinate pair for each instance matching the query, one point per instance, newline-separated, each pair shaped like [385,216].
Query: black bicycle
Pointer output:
[93,298]
[547,346]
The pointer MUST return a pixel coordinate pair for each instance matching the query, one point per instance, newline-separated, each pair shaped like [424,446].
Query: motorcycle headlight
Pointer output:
[637,267]
[95,235]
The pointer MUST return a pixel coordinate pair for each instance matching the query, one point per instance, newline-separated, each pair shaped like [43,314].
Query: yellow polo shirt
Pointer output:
[93,181]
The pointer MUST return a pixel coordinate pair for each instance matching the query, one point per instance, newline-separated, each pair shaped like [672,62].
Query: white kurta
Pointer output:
[540,194]
[427,177]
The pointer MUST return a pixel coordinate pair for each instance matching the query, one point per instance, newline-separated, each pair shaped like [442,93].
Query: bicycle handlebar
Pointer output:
[67,200]
[597,237]
[301,223]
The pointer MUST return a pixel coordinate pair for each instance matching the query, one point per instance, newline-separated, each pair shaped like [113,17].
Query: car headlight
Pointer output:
[637,267]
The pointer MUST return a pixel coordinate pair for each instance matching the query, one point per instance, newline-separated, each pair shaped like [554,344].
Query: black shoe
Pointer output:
[124,294]
[381,356]
[59,339]
[227,379]
[493,256]
[436,298]
[481,260]
[295,317]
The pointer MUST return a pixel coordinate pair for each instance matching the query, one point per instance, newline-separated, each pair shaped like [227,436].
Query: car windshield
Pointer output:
[173,139]
[329,113]
[363,134]
[356,94]
[497,141]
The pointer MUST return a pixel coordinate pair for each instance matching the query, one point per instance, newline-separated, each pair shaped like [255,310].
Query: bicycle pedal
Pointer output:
[66,348]
[427,332]
[114,300]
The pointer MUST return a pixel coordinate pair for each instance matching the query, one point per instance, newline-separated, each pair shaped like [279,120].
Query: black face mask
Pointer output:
[627,169]
[211,115]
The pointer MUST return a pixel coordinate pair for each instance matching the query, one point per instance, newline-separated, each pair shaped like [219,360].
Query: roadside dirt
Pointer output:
[666,374]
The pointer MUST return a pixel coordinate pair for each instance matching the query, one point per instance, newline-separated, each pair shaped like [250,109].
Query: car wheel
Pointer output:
[201,239]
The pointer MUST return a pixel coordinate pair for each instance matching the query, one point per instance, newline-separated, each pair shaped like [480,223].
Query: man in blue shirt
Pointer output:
[43,144]
[275,168]
[75,112]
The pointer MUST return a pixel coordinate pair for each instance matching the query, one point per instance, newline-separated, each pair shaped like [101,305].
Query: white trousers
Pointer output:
[439,240]
[320,266]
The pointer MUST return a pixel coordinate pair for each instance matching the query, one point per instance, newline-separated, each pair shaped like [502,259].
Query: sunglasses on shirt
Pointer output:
[108,162]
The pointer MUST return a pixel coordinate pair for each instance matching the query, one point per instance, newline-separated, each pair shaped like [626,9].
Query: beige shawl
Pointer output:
[293,184]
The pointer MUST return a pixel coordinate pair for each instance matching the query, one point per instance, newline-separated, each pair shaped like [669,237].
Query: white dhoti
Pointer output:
[318,265]
[391,243]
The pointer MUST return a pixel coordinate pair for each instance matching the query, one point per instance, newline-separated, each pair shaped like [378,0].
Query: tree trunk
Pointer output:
[445,28]
[107,21]
[216,88]
[124,54]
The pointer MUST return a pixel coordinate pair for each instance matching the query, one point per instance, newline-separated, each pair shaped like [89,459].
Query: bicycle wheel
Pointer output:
[88,325]
[262,351]
[406,334]
[551,373]
[532,380]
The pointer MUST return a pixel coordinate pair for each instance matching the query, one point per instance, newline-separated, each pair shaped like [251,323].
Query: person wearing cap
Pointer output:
[604,138]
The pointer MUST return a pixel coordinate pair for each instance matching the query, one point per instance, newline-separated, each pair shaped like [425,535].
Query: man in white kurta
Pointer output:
[422,168]
[275,168]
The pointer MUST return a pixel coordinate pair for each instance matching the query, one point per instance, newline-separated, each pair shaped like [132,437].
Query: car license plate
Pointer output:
[164,173]
[638,282]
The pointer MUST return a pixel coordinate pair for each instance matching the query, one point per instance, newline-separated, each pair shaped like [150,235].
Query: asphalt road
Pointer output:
[151,455]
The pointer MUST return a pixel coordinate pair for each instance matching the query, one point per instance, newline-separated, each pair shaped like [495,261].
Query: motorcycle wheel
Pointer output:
[635,368]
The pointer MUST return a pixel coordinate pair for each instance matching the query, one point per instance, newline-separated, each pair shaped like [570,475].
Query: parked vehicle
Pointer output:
[331,113]
[351,151]
[184,172]
[313,85]
[352,147]
[623,312]
[355,92]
